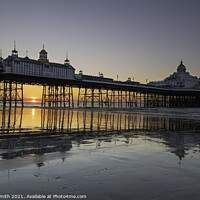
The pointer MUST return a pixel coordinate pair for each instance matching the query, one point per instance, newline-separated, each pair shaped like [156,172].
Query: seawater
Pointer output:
[100,153]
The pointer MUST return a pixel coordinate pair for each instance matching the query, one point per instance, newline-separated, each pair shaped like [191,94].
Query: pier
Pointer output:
[59,81]
[59,93]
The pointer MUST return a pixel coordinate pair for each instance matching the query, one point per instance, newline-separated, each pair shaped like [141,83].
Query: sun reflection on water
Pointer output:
[33,112]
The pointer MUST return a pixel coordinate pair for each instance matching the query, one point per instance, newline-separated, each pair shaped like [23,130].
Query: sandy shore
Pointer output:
[137,164]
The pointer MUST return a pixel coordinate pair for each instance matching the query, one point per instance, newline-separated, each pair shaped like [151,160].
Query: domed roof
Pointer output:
[43,51]
[14,51]
[181,66]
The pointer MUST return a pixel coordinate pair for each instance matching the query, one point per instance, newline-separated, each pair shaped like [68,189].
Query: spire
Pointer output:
[67,60]
[66,55]
[27,55]
[14,45]
[181,62]
[43,46]
[14,51]
[0,53]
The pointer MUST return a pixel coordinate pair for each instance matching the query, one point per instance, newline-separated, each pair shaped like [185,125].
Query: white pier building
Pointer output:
[41,67]
[179,79]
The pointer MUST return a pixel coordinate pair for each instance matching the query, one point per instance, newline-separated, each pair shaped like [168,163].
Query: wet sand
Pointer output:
[149,163]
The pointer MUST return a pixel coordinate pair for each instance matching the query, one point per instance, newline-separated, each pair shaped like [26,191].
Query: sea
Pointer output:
[99,153]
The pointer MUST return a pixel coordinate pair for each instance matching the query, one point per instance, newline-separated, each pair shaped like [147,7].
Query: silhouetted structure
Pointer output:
[58,81]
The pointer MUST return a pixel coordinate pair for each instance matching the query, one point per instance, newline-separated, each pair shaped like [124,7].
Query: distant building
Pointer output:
[41,67]
[179,79]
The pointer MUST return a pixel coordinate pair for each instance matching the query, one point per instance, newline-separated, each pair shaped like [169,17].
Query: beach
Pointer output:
[100,154]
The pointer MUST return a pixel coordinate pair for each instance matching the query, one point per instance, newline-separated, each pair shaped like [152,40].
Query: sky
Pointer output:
[141,39]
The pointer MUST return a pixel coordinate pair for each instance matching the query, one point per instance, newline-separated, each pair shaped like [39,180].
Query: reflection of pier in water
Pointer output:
[10,119]
[68,121]
[95,125]
[81,121]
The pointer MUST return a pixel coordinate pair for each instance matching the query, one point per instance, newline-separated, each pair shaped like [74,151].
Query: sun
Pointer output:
[33,100]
